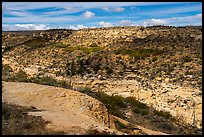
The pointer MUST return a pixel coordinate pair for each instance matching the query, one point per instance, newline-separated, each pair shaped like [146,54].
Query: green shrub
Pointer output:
[187,59]
[168,73]
[61,45]
[88,50]
[163,114]
[93,45]
[154,59]
[109,71]
[35,43]
[96,67]
[112,103]
[6,72]
[141,111]
[85,90]
[189,72]
[92,131]
[21,76]
[49,81]
[121,125]
[166,126]
[95,49]
[171,68]
[136,103]
[70,69]
[137,54]
[70,49]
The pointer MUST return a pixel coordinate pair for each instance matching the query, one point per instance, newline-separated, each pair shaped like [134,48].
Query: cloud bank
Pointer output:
[17,27]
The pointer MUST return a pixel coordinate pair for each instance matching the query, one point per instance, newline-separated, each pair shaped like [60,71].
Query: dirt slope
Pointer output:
[68,110]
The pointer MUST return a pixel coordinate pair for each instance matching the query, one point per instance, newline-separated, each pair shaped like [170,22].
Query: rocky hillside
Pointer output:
[160,65]
[155,53]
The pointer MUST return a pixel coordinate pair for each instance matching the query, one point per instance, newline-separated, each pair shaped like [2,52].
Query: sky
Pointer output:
[79,15]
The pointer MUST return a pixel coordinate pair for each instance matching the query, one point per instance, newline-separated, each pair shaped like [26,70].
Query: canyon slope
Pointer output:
[160,66]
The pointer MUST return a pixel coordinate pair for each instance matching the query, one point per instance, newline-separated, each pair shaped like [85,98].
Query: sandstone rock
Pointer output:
[158,78]
[166,80]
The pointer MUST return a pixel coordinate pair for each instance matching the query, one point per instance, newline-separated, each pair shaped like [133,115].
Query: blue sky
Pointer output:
[78,15]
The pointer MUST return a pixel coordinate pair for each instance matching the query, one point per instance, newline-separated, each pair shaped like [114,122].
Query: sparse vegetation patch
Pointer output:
[138,54]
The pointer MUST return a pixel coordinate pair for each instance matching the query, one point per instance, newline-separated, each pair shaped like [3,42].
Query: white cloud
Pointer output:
[195,20]
[198,16]
[61,15]
[106,8]
[81,5]
[93,27]
[17,27]
[77,27]
[119,9]
[105,24]
[31,26]
[71,9]
[125,23]
[88,14]
[81,27]
[150,22]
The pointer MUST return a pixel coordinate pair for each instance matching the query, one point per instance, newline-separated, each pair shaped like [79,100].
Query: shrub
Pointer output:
[6,69]
[121,125]
[171,68]
[163,114]
[49,81]
[154,59]
[96,67]
[93,45]
[112,103]
[141,111]
[21,76]
[70,49]
[88,50]
[166,126]
[85,90]
[189,72]
[60,45]
[96,132]
[187,59]
[95,49]
[136,103]
[70,69]
[109,71]
[137,54]
[35,43]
